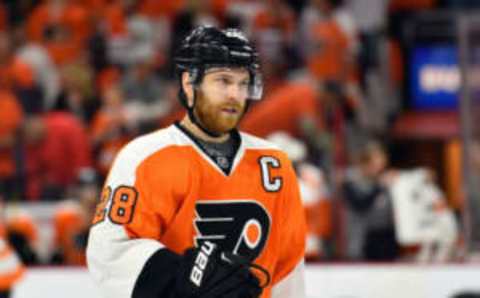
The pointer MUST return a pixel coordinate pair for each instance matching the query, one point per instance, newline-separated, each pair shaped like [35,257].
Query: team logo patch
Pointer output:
[240,226]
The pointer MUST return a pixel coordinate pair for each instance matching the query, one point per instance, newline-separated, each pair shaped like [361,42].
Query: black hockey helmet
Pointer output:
[207,47]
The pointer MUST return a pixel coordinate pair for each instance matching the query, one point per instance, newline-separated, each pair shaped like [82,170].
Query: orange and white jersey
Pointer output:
[69,221]
[163,191]
[317,204]
[11,267]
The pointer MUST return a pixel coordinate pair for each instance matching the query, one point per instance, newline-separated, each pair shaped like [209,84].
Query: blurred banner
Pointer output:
[434,77]
[325,281]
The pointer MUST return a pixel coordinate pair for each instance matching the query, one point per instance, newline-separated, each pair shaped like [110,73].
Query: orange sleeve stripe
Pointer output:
[5,253]
[7,280]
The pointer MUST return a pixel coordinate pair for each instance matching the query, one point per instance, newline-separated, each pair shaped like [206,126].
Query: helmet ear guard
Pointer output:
[256,87]
[194,79]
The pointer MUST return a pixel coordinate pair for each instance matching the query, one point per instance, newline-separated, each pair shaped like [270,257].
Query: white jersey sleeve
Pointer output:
[114,259]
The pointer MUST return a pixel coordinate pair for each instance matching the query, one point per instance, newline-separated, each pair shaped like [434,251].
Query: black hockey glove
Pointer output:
[206,272]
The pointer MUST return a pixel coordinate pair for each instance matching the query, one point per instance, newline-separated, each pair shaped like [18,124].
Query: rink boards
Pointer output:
[323,281]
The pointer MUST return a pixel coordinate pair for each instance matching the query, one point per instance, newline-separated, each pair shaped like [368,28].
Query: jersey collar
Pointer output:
[199,148]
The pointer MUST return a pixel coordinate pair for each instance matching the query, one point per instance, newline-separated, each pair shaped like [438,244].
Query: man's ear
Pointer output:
[187,86]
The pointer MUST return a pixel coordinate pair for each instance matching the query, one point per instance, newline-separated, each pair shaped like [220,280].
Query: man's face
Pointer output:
[221,98]
[377,162]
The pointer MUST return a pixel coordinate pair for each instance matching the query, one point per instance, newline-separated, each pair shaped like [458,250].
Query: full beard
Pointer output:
[215,120]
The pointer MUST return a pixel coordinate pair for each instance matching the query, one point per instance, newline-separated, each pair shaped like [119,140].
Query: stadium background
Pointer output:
[367,96]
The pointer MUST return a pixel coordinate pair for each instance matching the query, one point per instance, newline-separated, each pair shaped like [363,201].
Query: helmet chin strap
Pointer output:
[197,122]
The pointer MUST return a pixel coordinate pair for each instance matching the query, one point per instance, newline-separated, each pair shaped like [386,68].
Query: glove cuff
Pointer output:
[158,275]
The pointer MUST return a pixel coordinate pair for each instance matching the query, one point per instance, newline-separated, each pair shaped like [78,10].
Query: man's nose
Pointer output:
[235,93]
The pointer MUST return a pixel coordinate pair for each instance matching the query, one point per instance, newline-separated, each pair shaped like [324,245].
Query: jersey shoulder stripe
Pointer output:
[253,142]
[137,151]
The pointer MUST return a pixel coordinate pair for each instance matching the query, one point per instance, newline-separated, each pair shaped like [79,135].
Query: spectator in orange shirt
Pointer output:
[131,36]
[326,27]
[62,26]
[110,130]
[18,76]
[11,117]
[26,89]
[311,111]
[288,109]
[329,45]
[330,59]
[165,8]
[273,32]
[43,72]
[330,48]
[115,18]
[72,220]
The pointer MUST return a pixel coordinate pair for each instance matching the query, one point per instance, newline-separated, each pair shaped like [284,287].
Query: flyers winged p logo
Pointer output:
[239,226]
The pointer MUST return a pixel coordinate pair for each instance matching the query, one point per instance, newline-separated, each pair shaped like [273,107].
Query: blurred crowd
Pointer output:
[80,78]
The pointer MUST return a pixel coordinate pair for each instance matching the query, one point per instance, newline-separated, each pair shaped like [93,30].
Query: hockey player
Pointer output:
[12,269]
[199,209]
